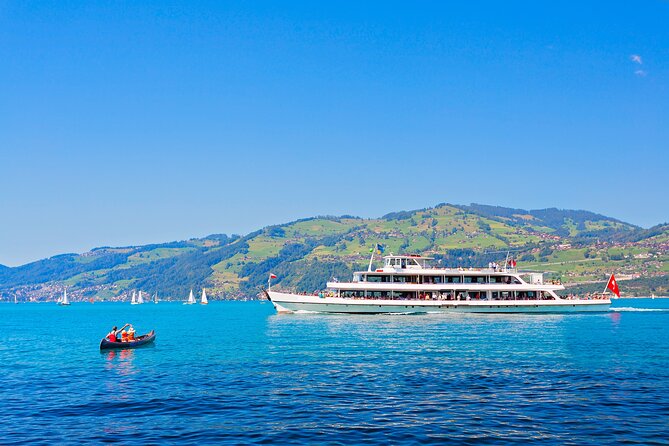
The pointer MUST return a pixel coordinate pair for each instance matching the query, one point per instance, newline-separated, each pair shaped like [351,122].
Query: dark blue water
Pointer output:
[235,372]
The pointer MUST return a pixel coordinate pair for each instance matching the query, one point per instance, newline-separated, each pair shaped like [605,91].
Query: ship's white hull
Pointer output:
[291,303]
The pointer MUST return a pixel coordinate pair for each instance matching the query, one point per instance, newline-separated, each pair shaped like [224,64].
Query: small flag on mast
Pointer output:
[378,248]
[613,286]
[272,276]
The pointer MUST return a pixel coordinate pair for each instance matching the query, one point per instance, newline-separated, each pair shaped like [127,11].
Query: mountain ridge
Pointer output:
[575,246]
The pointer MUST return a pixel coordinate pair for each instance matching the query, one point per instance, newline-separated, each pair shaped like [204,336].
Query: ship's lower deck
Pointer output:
[291,303]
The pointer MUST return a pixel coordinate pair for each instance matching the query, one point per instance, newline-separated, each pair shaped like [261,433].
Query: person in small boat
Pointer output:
[115,334]
[131,334]
[124,336]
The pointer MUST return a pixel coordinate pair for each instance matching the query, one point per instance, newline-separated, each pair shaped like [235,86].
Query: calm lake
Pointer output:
[236,372]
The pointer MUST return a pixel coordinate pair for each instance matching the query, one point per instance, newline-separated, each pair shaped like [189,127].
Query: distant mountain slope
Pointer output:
[564,222]
[575,246]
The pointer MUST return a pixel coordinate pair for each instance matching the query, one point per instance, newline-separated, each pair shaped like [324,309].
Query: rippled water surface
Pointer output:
[235,372]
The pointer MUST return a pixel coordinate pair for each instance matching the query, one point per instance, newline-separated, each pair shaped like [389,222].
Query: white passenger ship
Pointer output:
[407,284]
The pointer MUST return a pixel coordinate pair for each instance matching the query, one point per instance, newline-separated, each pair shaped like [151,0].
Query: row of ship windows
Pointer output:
[447,295]
[395,278]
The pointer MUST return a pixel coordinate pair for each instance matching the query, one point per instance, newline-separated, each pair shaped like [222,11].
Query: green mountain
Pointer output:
[580,248]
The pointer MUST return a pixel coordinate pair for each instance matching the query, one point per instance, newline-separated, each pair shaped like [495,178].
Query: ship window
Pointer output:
[378,294]
[403,295]
[526,295]
[405,279]
[477,295]
[474,279]
[371,278]
[432,279]
[352,293]
[452,279]
[448,295]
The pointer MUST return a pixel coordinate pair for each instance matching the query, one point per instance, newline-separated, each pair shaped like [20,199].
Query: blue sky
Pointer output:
[137,122]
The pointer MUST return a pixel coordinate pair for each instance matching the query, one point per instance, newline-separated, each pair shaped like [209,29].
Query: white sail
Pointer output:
[155,300]
[15,299]
[64,300]
[191,298]
[140,299]
[133,299]
[204,300]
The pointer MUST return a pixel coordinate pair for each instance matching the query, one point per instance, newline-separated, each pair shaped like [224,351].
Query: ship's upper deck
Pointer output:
[415,265]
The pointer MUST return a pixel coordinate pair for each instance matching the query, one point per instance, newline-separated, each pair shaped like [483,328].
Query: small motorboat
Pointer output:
[106,344]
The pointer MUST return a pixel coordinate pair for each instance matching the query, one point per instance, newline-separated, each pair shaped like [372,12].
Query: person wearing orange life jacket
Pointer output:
[131,334]
[115,334]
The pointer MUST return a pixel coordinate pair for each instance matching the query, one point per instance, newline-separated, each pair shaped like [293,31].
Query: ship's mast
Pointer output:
[371,259]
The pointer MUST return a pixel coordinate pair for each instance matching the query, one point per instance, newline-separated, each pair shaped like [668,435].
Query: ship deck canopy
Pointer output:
[406,261]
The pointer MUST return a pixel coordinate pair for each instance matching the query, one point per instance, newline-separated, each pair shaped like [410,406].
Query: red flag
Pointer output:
[613,286]
[272,276]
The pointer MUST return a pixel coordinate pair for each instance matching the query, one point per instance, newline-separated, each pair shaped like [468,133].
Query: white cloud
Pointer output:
[636,59]
[640,73]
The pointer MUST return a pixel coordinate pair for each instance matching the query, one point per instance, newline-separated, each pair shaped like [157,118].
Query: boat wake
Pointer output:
[633,309]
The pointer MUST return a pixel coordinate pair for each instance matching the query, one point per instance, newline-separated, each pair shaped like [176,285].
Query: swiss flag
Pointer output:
[613,286]
[272,276]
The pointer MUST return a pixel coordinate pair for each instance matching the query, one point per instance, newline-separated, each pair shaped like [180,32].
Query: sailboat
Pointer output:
[64,300]
[204,300]
[191,299]
[16,301]
[133,299]
[140,299]
[155,298]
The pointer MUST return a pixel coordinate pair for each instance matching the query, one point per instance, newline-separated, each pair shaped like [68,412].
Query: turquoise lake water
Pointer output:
[236,372]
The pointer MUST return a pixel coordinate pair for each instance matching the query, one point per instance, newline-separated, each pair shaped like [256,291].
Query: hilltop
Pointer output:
[578,247]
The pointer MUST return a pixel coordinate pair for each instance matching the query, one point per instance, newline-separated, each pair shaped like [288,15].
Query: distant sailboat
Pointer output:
[155,298]
[140,299]
[16,301]
[133,299]
[191,299]
[204,300]
[64,300]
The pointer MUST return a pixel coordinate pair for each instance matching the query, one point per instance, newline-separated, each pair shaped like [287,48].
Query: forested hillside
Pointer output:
[578,247]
